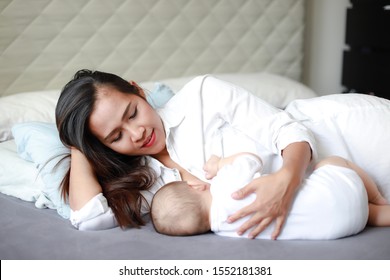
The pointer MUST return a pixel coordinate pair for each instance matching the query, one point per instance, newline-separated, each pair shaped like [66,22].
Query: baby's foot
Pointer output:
[211,167]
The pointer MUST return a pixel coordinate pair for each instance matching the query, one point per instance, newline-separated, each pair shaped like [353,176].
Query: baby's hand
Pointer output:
[211,167]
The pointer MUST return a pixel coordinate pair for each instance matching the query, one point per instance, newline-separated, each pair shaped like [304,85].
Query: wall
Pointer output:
[325,36]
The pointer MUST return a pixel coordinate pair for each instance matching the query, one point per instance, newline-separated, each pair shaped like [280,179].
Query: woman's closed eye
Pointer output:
[117,138]
[134,113]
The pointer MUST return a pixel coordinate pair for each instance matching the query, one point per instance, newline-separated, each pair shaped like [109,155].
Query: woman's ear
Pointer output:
[141,91]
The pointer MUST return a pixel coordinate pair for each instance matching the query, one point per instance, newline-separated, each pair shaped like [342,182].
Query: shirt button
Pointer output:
[177,174]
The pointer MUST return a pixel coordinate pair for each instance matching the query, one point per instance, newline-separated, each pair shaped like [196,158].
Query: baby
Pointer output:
[331,203]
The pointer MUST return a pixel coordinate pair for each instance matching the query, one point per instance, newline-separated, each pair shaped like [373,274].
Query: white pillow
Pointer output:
[274,89]
[277,90]
[39,142]
[354,126]
[28,106]
[18,178]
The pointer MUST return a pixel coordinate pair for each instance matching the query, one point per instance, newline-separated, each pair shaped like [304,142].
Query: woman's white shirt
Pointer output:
[209,116]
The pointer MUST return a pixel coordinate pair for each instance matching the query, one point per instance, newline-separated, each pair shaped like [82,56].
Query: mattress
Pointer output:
[257,44]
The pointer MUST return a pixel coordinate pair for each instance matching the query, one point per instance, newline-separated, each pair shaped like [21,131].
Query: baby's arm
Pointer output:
[215,163]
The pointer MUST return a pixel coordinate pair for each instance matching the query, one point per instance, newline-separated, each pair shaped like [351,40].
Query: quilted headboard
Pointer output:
[43,42]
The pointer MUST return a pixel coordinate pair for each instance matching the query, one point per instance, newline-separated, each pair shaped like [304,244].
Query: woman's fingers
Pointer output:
[241,213]
[278,226]
[243,192]
[260,227]
[258,223]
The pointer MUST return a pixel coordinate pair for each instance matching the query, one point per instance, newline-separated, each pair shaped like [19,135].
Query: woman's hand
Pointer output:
[274,192]
[272,203]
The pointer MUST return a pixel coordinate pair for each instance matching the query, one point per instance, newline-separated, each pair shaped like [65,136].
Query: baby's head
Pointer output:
[180,209]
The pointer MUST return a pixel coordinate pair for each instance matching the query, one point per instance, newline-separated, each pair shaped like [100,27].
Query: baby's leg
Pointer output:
[379,209]
[374,196]
[379,215]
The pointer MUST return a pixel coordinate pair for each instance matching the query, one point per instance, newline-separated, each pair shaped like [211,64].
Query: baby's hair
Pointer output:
[175,210]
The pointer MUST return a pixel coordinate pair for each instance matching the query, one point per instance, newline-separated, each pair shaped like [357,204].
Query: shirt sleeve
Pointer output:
[273,128]
[95,215]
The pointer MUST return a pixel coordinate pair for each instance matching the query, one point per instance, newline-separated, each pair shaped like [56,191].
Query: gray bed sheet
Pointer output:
[30,233]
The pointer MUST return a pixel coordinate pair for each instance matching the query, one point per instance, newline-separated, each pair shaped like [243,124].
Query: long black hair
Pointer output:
[121,177]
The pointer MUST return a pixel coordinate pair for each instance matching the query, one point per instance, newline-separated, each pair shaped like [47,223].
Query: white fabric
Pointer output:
[209,116]
[331,203]
[277,90]
[353,126]
[85,218]
[26,185]
[28,106]
[39,142]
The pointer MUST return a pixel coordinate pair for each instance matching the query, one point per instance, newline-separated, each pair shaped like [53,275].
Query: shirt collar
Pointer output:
[171,118]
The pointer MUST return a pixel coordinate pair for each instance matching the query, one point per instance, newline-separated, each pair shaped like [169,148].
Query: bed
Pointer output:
[257,44]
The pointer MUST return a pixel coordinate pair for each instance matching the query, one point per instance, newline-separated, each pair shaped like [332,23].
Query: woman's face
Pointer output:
[126,123]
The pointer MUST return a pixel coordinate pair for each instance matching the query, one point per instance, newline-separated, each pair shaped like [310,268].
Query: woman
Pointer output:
[111,128]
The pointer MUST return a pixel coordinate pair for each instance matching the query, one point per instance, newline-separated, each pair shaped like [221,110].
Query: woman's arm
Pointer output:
[89,208]
[274,192]
[83,185]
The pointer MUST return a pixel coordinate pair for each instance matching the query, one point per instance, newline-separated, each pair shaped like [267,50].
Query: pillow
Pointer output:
[274,89]
[354,126]
[40,106]
[18,178]
[160,95]
[277,90]
[39,142]
[29,106]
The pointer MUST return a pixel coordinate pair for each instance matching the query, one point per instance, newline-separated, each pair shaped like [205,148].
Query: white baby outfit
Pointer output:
[331,203]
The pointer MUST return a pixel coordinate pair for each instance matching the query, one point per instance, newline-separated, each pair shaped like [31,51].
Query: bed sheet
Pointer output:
[31,233]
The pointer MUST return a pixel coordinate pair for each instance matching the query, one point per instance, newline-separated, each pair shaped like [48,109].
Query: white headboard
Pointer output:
[44,42]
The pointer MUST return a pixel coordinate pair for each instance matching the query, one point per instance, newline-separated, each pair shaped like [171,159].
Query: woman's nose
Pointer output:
[136,133]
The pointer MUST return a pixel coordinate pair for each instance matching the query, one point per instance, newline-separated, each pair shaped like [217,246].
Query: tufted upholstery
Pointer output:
[43,42]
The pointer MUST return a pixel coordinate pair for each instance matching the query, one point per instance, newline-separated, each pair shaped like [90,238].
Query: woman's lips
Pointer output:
[150,141]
